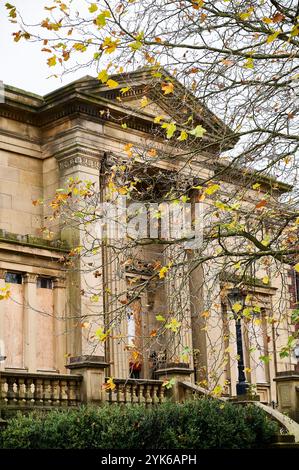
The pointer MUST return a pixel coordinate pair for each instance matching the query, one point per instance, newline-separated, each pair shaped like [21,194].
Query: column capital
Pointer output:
[59,283]
[30,278]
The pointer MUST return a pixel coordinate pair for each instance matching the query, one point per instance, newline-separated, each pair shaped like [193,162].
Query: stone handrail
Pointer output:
[23,390]
[289,424]
[188,390]
[148,392]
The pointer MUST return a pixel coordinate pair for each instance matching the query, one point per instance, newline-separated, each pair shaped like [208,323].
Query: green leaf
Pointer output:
[160,318]
[101,18]
[170,129]
[198,132]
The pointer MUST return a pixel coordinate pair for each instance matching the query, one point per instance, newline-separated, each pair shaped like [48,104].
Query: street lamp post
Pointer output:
[235,296]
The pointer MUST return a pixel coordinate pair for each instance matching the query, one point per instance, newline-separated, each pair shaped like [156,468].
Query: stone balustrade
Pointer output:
[27,391]
[148,392]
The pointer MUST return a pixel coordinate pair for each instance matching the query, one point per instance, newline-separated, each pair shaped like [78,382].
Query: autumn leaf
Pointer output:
[52,61]
[125,89]
[109,385]
[95,298]
[278,17]
[160,318]
[101,335]
[152,153]
[93,8]
[267,20]
[249,63]
[256,186]
[158,119]
[198,132]
[173,325]
[265,280]
[167,88]
[296,267]
[261,204]
[163,271]
[183,136]
[100,20]
[109,45]
[128,149]
[237,307]
[170,129]
[212,189]
[273,36]
[103,76]
[112,83]
[168,383]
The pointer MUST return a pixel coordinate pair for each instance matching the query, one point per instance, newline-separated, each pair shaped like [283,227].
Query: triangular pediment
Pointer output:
[140,91]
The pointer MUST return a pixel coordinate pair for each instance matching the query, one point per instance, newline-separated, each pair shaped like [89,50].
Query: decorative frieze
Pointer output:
[86,161]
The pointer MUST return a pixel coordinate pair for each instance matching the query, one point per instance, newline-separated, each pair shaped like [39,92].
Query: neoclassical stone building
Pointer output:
[46,358]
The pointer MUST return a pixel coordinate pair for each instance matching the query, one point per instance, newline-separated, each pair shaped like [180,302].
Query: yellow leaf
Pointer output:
[52,61]
[183,136]
[103,76]
[212,189]
[296,267]
[170,129]
[273,36]
[167,88]
[112,83]
[109,385]
[256,186]
[249,64]
[160,318]
[93,7]
[173,325]
[109,45]
[101,335]
[265,280]
[163,271]
[125,89]
[237,307]
[128,149]
[267,20]
[158,119]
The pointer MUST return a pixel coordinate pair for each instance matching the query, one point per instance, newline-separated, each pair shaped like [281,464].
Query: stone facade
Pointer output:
[43,142]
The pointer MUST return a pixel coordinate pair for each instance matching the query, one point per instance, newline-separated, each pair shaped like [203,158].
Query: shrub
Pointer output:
[198,424]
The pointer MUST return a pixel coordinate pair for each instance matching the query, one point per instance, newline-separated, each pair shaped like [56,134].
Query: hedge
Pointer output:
[198,424]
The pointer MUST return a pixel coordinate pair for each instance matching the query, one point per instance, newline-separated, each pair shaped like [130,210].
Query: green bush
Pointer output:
[198,424]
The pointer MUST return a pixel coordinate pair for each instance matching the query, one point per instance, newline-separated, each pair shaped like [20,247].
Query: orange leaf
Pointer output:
[261,204]
[167,88]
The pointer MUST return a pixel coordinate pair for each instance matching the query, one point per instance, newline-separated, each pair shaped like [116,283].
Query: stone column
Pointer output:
[179,364]
[30,321]
[2,344]
[84,316]
[60,328]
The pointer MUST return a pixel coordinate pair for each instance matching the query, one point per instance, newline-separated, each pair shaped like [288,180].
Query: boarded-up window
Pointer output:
[13,312]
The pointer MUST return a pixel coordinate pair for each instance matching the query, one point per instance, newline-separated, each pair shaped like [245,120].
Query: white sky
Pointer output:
[23,65]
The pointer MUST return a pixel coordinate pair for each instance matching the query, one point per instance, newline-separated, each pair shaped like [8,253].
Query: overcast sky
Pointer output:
[23,65]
